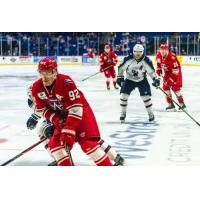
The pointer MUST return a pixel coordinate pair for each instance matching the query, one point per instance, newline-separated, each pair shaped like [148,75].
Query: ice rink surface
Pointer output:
[173,140]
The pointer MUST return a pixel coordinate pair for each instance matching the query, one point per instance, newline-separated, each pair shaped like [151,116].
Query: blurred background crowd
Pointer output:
[79,43]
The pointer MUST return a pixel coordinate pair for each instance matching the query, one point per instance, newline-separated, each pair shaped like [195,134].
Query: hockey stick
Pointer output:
[96,73]
[179,106]
[70,155]
[23,152]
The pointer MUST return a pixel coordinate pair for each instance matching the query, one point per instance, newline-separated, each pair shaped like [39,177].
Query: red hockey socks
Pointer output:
[94,151]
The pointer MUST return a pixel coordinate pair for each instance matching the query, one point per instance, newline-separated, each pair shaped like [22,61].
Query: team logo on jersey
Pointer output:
[109,60]
[59,97]
[67,82]
[42,95]
[56,106]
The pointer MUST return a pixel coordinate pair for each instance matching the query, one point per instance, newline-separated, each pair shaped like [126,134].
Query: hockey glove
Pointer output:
[156,82]
[68,136]
[49,130]
[32,121]
[120,80]
[58,123]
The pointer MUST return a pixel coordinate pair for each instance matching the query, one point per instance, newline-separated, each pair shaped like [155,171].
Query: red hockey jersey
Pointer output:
[107,60]
[62,96]
[171,67]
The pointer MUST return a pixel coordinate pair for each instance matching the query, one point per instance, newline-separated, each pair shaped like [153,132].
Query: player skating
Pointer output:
[136,65]
[57,98]
[108,60]
[168,63]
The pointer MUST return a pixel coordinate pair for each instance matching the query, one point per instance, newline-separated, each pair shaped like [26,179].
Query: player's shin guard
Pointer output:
[179,97]
[94,151]
[168,98]
[115,83]
[41,135]
[147,103]
[108,83]
[124,102]
[112,154]
[61,156]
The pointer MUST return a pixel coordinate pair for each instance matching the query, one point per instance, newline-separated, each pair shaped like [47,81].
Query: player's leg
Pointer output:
[87,131]
[126,89]
[108,77]
[179,96]
[46,129]
[114,78]
[58,151]
[111,153]
[92,148]
[171,106]
[145,93]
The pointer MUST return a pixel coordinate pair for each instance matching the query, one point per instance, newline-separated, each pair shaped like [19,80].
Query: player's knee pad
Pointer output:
[146,98]
[147,102]
[108,79]
[107,74]
[114,79]
[124,96]
[113,75]
[178,93]
[54,142]
[166,87]
[58,151]
[93,150]
[168,92]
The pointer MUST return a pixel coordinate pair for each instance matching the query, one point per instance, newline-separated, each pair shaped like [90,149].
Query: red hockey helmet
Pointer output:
[164,46]
[107,46]
[47,64]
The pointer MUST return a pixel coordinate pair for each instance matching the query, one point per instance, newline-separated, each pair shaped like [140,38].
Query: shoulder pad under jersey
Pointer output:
[149,62]
[127,58]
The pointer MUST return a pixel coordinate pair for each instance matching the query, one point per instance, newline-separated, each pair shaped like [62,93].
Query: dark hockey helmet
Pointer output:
[47,64]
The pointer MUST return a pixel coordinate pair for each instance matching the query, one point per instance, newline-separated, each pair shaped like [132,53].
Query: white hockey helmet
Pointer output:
[138,47]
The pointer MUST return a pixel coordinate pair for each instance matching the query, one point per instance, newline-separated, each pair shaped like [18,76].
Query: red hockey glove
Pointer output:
[68,136]
[159,72]
[58,122]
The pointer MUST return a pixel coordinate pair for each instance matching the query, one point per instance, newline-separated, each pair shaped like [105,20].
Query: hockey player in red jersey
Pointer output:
[168,63]
[59,100]
[108,59]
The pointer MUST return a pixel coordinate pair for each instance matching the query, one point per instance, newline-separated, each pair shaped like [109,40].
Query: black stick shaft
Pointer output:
[23,152]
[180,107]
[96,73]
[70,155]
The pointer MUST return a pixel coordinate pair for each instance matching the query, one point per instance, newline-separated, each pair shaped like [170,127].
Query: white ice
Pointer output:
[173,140]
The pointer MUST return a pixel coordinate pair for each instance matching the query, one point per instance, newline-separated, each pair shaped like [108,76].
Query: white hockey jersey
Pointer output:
[136,70]
[31,102]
